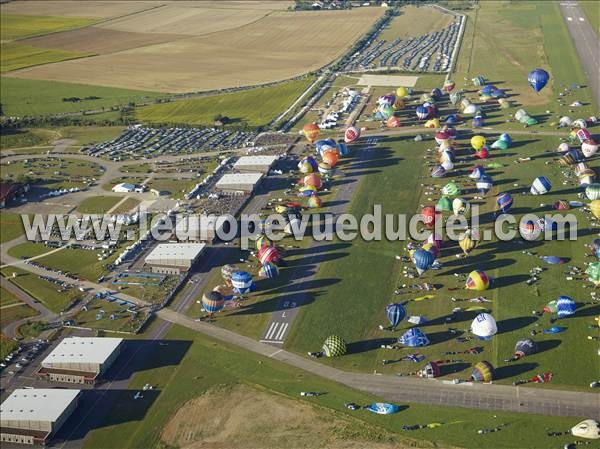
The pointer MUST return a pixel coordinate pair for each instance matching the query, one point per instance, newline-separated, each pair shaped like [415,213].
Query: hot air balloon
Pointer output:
[448,86]
[483,372]
[314,201]
[385,111]
[352,133]
[323,145]
[484,184]
[563,148]
[225,290]
[460,206]
[311,132]
[565,306]
[529,230]
[414,337]
[432,249]
[593,272]
[478,80]
[393,122]
[423,260]
[331,157]
[589,429]
[477,280]
[343,149]
[448,164]
[477,142]
[334,346]
[422,112]
[595,208]
[430,371]
[325,169]
[399,104]
[268,271]
[269,254]
[451,189]
[477,122]
[484,326]
[386,100]
[538,78]
[227,271]
[213,302]
[482,153]
[307,164]
[583,134]
[438,171]
[435,239]
[444,204]
[263,242]
[468,241]
[589,148]
[395,313]
[401,92]
[540,186]
[477,172]
[441,136]
[525,347]
[428,216]
[595,247]
[242,282]
[312,180]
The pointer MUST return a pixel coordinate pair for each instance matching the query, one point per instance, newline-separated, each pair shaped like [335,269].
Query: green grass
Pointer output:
[88,135]
[7,298]
[54,173]
[7,345]
[98,204]
[254,107]
[592,13]
[32,329]
[123,321]
[208,364]
[28,249]
[126,206]
[45,292]
[17,56]
[79,262]
[18,26]
[177,187]
[26,138]
[22,97]
[16,313]
[11,226]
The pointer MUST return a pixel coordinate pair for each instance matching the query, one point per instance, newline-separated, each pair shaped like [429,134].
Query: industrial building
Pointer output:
[80,360]
[254,164]
[33,416]
[174,258]
[124,187]
[199,228]
[239,183]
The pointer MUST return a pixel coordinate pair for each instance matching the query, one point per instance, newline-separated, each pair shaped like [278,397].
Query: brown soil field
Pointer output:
[96,9]
[98,40]
[248,418]
[273,48]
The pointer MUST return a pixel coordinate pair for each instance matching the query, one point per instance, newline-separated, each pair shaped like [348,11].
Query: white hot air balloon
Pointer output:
[484,326]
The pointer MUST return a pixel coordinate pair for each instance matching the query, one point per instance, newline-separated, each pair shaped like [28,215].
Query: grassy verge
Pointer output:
[7,298]
[28,249]
[592,13]
[126,206]
[11,226]
[97,204]
[17,56]
[26,138]
[7,345]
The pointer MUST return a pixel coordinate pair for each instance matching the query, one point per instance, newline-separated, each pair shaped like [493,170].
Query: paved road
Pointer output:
[586,43]
[410,389]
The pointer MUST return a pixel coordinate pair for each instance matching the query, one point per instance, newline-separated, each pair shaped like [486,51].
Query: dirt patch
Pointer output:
[248,418]
[99,40]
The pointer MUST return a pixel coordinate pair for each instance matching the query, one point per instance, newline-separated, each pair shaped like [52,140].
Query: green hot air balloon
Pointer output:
[593,192]
[451,189]
[444,204]
[593,272]
[334,346]
[455,98]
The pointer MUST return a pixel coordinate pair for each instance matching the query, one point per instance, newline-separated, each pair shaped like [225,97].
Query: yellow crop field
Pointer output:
[277,46]
[14,56]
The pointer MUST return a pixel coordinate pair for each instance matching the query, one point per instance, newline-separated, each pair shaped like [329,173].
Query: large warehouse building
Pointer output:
[80,360]
[32,416]
[256,164]
[174,258]
[239,183]
[199,228]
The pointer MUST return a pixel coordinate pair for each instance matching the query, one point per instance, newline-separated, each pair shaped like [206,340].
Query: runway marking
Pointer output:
[271,341]
[276,332]
[570,19]
[581,19]
[276,352]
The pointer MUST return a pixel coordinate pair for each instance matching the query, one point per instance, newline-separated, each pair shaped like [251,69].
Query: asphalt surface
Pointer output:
[586,43]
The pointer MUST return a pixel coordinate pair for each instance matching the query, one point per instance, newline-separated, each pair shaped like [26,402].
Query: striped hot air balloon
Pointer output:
[583,135]
[451,189]
[477,280]
[423,260]
[414,337]
[565,306]
[438,171]
[311,132]
[263,242]
[351,134]
[483,372]
[213,302]
[540,186]
[268,271]
[323,145]
[483,153]
[393,122]
[530,230]
[444,204]
[227,271]
[395,313]
[314,201]
[334,346]
[477,172]
[242,282]
[307,165]
[422,112]
[593,192]
[589,148]
[484,184]
[325,169]
[269,254]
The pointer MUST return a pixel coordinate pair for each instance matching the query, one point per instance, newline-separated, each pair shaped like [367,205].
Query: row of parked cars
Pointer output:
[22,356]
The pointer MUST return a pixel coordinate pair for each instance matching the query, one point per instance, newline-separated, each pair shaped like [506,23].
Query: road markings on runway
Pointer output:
[275,332]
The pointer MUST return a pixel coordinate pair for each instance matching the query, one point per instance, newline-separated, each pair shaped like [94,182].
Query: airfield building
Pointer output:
[174,258]
[239,183]
[254,164]
[196,228]
[80,360]
[123,187]
[33,416]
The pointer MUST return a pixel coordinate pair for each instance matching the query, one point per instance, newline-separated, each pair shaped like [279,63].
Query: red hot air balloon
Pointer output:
[428,215]
[311,132]
[351,134]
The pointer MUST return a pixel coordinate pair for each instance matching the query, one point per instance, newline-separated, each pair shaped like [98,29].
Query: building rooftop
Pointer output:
[235,179]
[186,251]
[42,404]
[255,160]
[83,350]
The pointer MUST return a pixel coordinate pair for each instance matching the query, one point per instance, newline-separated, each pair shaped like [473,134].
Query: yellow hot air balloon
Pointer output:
[401,92]
[460,206]
[311,132]
[595,208]
[468,241]
[477,142]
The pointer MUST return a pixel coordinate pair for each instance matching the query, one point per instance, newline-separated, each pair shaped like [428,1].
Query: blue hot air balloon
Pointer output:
[423,260]
[395,313]
[242,282]
[540,186]
[565,306]
[505,201]
[414,337]
[538,78]
[422,112]
[484,184]
[478,122]
[506,137]
[477,172]
[343,149]
[325,144]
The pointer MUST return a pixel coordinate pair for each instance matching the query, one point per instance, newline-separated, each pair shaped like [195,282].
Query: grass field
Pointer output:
[80,262]
[11,226]
[255,107]
[212,61]
[21,97]
[7,298]
[16,313]
[98,204]
[44,291]
[17,56]
[18,26]
[95,319]
[88,135]
[26,138]
[28,249]
[7,345]
[192,365]
[592,13]
[54,173]
[126,206]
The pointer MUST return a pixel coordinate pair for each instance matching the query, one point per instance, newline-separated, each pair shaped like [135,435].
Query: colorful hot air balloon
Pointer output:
[314,201]
[593,192]
[477,280]
[311,132]
[444,204]
[484,326]
[414,337]
[428,216]
[325,169]
[477,142]
[224,290]
[393,122]
[589,148]
[484,184]
[525,347]
[482,153]
[323,145]
[477,172]
[468,241]
[343,149]
[538,78]
[227,271]
[423,260]
[438,171]
[430,371]
[307,164]
[595,208]
[483,372]
[352,133]
[268,271]
[451,189]
[478,80]
[331,157]
[213,302]
[504,201]
[460,206]
[242,282]
[312,180]
[593,272]
[269,254]
[565,306]
[441,136]
[583,134]
[395,313]
[422,112]
[448,86]
[540,186]
[334,346]
[263,242]
[385,111]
